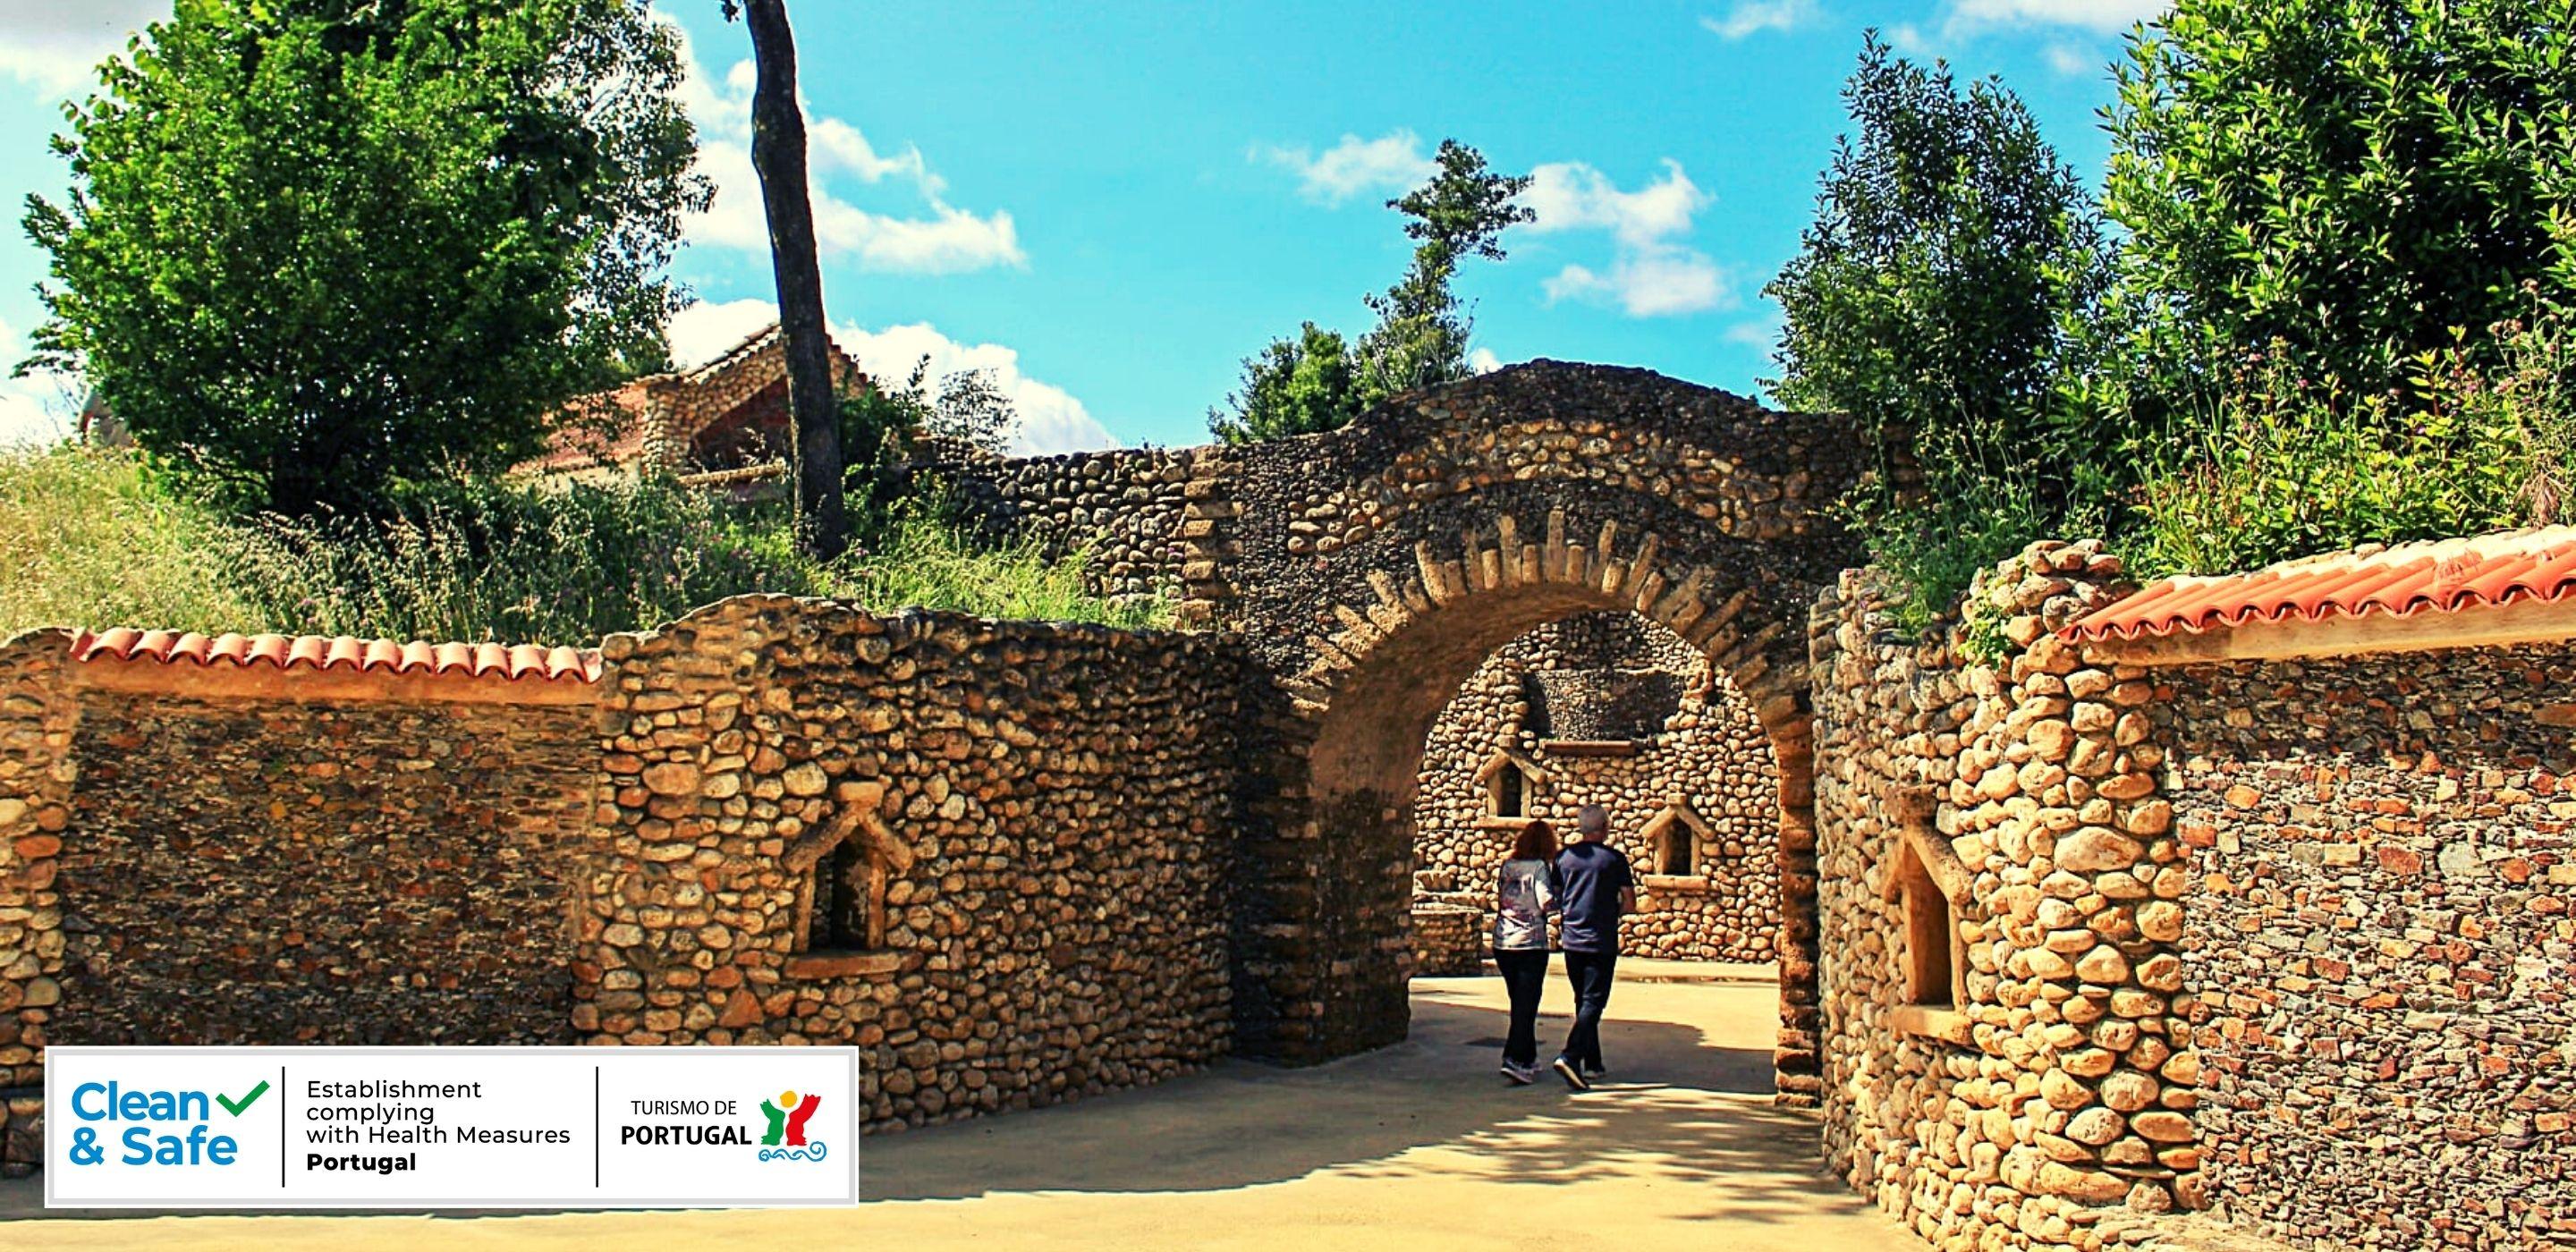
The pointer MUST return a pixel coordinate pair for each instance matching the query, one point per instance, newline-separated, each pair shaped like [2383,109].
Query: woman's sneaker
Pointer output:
[1573,1077]
[1521,1075]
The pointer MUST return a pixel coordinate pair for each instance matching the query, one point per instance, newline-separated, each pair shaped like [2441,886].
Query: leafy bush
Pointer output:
[2353,180]
[484,560]
[2284,467]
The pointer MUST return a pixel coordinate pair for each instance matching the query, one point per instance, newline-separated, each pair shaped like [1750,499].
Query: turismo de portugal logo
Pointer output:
[785,1139]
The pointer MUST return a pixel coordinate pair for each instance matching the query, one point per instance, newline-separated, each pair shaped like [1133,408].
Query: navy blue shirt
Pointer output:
[1593,875]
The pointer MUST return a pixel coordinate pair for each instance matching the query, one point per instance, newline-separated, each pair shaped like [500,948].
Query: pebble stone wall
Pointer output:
[1050,804]
[1124,505]
[1704,771]
[249,871]
[37,717]
[2380,944]
[2066,1080]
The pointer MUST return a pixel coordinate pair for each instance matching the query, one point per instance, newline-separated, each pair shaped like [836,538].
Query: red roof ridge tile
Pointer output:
[346,653]
[2400,580]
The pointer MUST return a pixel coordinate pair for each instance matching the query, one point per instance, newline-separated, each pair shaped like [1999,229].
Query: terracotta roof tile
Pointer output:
[2432,576]
[520,662]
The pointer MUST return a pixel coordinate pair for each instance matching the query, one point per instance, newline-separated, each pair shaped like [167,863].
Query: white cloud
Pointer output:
[1751,17]
[1483,360]
[37,409]
[1051,418]
[1762,333]
[55,47]
[1392,162]
[943,239]
[1661,282]
[1570,195]
[2102,16]
[1652,273]
[2074,61]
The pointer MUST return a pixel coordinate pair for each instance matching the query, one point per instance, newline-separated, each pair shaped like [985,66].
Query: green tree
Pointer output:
[1934,299]
[2352,179]
[1319,381]
[316,246]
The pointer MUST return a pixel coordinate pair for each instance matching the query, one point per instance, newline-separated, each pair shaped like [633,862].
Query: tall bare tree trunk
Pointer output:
[778,153]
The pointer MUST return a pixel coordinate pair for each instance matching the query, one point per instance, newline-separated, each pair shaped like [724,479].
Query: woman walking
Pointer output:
[1525,892]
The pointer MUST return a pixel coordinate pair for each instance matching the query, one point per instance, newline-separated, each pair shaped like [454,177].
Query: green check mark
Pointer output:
[235,1107]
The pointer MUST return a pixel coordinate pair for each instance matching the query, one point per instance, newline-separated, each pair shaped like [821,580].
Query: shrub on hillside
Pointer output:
[89,536]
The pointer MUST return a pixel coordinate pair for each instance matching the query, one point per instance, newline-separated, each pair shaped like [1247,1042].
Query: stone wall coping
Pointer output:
[1589,747]
[841,964]
[1932,1022]
[189,665]
[1685,884]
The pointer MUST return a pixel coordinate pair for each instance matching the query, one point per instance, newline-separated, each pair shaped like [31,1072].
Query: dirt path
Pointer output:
[1420,1144]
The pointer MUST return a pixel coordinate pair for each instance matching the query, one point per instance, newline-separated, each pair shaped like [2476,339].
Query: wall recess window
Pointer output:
[1934,956]
[840,924]
[1511,783]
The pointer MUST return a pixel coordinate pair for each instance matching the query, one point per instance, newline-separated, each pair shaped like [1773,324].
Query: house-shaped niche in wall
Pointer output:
[1673,840]
[841,871]
[1510,782]
[1930,886]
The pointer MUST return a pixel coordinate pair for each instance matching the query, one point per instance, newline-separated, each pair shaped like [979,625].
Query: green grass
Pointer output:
[94,538]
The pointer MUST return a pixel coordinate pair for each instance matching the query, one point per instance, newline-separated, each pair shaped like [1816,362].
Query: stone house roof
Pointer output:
[726,416]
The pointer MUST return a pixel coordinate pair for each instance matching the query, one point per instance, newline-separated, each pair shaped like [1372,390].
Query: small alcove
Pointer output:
[1930,886]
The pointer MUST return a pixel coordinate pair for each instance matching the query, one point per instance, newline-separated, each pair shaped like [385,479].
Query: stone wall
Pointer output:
[1125,505]
[220,853]
[2055,1075]
[1702,774]
[1027,824]
[37,716]
[260,871]
[2379,948]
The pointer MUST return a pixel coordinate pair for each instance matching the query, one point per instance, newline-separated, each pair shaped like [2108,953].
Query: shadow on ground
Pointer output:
[1421,1143]
[1674,1107]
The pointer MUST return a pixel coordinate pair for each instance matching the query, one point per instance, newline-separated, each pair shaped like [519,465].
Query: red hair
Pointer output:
[1536,842]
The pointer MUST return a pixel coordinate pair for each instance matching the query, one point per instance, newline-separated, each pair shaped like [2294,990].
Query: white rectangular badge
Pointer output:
[570,1127]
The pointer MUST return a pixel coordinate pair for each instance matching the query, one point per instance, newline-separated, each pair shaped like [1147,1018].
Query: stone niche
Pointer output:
[1601,705]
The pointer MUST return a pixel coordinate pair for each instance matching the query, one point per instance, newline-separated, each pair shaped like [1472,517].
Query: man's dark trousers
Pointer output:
[1590,973]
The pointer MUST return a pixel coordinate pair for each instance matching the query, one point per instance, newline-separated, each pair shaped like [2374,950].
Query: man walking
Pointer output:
[1597,890]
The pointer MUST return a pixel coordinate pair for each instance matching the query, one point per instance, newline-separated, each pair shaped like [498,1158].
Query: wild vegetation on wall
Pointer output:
[97,538]
[2322,302]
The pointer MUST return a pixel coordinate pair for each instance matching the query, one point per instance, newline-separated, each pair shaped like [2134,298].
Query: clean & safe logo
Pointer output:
[154,1126]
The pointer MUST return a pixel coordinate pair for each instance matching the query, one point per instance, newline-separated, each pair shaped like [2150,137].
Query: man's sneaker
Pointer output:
[1593,1069]
[1573,1077]
[1521,1075]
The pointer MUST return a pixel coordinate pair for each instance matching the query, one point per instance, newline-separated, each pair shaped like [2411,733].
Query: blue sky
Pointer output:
[1110,205]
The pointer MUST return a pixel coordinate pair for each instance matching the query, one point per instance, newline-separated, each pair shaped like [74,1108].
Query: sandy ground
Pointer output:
[1419,1145]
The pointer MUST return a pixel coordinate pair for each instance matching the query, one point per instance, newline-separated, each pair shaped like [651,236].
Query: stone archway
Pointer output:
[1372,568]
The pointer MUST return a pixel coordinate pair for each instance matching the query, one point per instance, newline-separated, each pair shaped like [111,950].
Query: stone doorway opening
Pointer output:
[1605,708]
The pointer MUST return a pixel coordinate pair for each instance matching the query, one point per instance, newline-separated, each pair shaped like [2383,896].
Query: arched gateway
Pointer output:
[1370,569]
